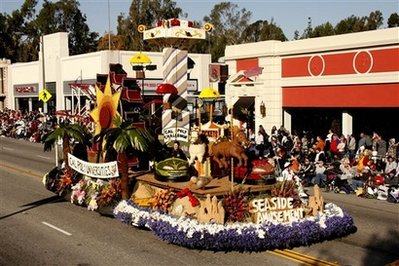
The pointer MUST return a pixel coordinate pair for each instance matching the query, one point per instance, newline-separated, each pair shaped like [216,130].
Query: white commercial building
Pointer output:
[349,82]
[26,80]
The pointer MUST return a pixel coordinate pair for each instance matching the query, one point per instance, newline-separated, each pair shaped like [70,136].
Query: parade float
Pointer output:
[209,201]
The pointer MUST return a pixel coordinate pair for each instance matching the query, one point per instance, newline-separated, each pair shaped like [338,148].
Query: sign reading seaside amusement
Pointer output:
[98,170]
[275,210]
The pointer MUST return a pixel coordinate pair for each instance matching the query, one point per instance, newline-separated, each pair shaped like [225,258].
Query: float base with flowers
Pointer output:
[241,219]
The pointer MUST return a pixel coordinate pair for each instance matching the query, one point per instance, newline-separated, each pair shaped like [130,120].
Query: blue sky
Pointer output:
[290,15]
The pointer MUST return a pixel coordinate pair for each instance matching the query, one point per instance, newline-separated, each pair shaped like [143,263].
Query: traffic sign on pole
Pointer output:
[45,95]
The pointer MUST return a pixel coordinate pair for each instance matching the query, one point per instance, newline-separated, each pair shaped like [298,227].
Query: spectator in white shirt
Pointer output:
[259,142]
[390,167]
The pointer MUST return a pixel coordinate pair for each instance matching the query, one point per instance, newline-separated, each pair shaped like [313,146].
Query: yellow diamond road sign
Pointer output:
[45,95]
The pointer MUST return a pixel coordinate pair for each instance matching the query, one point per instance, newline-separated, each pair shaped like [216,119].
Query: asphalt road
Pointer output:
[39,228]
[376,241]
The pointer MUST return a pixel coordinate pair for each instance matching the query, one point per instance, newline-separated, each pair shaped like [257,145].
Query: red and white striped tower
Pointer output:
[175,35]
[175,72]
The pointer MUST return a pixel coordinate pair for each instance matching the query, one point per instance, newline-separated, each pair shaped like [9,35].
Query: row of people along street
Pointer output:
[367,167]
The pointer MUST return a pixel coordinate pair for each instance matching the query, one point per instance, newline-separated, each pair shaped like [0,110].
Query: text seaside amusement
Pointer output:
[275,210]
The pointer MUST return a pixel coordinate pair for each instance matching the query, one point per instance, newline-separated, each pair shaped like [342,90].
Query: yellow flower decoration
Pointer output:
[106,110]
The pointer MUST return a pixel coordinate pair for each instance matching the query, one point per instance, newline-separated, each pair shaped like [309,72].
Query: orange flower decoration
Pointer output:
[106,110]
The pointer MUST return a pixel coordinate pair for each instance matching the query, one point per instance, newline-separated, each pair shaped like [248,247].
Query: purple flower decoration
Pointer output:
[240,237]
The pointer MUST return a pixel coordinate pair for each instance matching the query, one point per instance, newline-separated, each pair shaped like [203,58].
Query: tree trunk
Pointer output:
[123,168]
[100,148]
[66,149]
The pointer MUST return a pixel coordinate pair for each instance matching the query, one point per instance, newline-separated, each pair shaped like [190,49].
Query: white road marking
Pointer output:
[10,149]
[44,157]
[56,228]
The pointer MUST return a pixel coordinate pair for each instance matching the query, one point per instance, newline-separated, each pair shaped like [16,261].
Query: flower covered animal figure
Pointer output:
[223,151]
[198,147]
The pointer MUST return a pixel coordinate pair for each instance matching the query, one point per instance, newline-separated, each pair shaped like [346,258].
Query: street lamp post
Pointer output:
[43,71]
[45,104]
[140,63]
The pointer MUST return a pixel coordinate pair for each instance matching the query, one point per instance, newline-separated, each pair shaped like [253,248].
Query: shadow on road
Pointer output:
[35,204]
[383,250]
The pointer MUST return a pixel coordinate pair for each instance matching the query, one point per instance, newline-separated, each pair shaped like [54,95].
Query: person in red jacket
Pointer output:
[334,146]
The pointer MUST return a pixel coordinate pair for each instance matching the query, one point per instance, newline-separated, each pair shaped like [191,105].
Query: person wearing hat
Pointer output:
[287,173]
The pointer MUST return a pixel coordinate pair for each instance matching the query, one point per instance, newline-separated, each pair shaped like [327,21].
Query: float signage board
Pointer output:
[97,170]
[274,210]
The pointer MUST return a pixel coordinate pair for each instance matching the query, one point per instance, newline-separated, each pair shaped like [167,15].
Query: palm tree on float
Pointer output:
[66,132]
[121,137]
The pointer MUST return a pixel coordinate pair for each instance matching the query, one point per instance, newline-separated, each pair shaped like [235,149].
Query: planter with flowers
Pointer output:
[97,194]
[60,181]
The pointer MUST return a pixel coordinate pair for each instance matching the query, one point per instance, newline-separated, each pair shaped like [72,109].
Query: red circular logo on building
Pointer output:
[362,62]
[316,65]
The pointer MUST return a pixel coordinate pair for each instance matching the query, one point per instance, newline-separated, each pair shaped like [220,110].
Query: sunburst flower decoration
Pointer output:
[106,110]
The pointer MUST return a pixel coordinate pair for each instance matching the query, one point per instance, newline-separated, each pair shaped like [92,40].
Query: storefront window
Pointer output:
[22,104]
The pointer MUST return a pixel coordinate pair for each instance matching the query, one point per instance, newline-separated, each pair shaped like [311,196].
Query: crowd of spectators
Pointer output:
[31,126]
[332,161]
[34,126]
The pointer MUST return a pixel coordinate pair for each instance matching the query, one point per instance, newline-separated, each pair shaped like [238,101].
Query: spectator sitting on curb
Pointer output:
[320,177]
[391,171]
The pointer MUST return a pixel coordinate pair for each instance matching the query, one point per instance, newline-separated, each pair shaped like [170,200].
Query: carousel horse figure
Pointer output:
[198,148]
[224,150]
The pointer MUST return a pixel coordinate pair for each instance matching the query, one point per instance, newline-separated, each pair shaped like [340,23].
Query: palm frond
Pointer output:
[75,131]
[76,135]
[52,138]
[48,146]
[121,143]
[118,121]
[137,140]
[125,135]
[146,134]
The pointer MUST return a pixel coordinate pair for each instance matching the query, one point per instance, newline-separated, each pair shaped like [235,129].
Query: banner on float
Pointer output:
[97,170]
[275,210]
[172,134]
